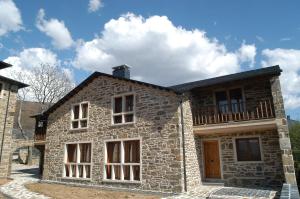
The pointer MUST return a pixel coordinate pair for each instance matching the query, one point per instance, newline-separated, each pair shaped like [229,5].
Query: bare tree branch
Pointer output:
[50,83]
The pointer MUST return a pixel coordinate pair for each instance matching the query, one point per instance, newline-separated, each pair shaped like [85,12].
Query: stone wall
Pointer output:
[157,123]
[6,151]
[193,178]
[283,131]
[267,173]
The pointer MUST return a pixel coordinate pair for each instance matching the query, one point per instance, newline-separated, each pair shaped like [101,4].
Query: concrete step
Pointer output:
[213,182]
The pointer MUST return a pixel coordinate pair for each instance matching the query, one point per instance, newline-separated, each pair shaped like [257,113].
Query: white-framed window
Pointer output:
[248,149]
[78,160]
[123,109]
[122,160]
[79,115]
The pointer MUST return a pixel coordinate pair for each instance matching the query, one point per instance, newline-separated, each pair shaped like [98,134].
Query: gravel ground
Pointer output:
[63,191]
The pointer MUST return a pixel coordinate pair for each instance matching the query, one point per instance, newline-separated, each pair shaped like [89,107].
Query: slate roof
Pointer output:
[272,71]
[90,79]
[4,65]
[11,81]
[177,89]
[14,82]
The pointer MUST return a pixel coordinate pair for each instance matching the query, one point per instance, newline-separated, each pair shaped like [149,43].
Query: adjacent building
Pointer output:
[8,96]
[115,131]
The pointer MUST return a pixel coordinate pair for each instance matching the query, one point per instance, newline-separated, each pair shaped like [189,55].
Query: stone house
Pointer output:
[114,131]
[8,96]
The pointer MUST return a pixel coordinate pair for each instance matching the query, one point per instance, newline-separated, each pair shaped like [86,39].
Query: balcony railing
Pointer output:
[40,137]
[234,112]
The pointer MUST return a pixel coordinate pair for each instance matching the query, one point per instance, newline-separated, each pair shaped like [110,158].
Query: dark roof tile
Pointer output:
[273,71]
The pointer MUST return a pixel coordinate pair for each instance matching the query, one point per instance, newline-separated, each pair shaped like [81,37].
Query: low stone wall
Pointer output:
[268,173]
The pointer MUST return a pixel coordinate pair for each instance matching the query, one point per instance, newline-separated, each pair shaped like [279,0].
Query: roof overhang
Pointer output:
[236,127]
[4,65]
[96,75]
[13,82]
[267,71]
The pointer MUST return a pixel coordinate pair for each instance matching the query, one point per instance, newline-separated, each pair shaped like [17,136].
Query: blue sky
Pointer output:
[224,36]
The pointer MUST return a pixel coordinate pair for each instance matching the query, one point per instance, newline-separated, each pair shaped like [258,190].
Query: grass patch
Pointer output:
[58,191]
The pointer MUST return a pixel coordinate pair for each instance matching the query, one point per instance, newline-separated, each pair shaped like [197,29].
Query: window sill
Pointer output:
[249,162]
[123,124]
[79,129]
[122,181]
[79,179]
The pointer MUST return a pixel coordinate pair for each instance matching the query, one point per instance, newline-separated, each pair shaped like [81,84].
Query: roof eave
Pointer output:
[4,65]
[91,78]
[14,82]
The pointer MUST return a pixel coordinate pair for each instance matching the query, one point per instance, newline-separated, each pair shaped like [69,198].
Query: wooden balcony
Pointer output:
[235,112]
[40,138]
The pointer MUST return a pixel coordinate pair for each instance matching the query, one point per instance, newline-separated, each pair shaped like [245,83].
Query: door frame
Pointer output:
[203,156]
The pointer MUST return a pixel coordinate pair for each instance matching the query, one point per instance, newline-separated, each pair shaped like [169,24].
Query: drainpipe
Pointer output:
[5,120]
[183,145]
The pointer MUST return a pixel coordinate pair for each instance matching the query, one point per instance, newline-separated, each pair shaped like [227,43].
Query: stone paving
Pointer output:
[21,175]
[219,192]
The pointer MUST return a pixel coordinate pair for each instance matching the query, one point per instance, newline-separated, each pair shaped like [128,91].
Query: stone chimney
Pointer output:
[122,71]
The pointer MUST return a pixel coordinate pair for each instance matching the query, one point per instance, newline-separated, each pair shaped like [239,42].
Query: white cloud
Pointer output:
[288,60]
[159,52]
[27,60]
[24,61]
[59,33]
[10,17]
[95,5]
[247,54]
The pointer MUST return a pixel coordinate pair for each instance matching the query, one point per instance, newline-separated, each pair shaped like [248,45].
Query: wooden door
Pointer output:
[212,159]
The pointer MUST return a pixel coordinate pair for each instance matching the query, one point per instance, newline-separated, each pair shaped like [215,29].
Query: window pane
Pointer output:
[87,171]
[129,118]
[84,110]
[221,100]
[118,105]
[117,169]
[132,151]
[126,172]
[129,103]
[83,123]
[80,171]
[108,171]
[76,112]
[72,152]
[113,152]
[40,124]
[67,170]
[73,168]
[75,125]
[248,149]
[118,119]
[136,172]
[85,152]
[236,100]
